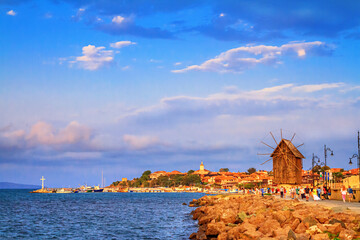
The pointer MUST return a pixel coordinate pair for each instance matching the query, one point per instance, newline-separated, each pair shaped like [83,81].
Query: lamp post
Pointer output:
[357,156]
[314,163]
[325,153]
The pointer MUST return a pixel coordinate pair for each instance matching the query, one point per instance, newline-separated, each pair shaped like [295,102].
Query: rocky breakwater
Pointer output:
[255,217]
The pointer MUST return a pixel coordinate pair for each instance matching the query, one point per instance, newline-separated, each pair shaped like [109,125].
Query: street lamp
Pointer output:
[315,163]
[357,156]
[325,153]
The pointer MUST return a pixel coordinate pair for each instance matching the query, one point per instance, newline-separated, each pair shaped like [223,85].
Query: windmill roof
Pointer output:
[292,148]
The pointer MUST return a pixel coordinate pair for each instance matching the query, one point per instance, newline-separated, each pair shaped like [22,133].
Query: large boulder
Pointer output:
[215,228]
[347,234]
[295,223]
[321,236]
[309,221]
[334,220]
[334,228]
[268,227]
[301,228]
[228,216]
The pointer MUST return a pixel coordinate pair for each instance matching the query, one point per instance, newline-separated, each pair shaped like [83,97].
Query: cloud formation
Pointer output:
[245,21]
[118,19]
[43,134]
[121,44]
[127,26]
[140,142]
[94,58]
[316,87]
[11,13]
[239,59]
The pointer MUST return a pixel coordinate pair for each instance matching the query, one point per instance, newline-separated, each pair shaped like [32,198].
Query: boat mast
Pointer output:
[102,178]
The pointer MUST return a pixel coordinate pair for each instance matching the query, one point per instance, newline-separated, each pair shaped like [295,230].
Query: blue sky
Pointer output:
[126,86]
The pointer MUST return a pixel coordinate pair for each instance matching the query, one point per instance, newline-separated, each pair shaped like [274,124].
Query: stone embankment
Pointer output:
[255,217]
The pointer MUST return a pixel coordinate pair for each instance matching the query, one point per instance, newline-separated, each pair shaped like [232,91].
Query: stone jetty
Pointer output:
[255,217]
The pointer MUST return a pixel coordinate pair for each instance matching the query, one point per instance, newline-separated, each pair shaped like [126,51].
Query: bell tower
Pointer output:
[202,166]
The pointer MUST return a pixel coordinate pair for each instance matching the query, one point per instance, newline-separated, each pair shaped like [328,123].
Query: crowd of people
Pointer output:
[299,192]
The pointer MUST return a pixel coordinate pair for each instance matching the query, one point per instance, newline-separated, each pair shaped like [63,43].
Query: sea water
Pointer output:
[25,215]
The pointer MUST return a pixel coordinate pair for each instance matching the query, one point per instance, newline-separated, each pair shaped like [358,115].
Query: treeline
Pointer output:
[162,181]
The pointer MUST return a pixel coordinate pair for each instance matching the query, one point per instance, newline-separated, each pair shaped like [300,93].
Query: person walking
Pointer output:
[282,192]
[315,195]
[302,192]
[325,192]
[297,190]
[351,193]
[292,191]
[318,191]
[343,193]
[307,193]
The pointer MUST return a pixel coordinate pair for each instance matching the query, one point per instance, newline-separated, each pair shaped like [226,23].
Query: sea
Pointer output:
[25,215]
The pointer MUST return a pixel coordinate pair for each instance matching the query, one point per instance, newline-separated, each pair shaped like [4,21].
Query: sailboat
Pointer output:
[97,188]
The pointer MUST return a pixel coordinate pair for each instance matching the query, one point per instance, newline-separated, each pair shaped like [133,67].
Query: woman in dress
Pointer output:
[343,193]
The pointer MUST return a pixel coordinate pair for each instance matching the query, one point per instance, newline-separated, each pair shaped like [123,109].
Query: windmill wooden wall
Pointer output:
[287,163]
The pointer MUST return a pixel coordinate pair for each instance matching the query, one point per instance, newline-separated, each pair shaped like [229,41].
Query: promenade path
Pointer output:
[336,205]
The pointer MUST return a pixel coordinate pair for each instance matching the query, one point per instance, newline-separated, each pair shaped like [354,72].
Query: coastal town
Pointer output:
[287,173]
[222,181]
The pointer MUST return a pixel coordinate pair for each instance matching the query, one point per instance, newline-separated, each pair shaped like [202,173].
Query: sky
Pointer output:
[128,86]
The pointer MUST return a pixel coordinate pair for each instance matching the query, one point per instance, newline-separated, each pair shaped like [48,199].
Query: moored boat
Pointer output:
[63,190]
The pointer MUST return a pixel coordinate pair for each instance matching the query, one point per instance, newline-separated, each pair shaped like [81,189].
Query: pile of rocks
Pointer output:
[255,217]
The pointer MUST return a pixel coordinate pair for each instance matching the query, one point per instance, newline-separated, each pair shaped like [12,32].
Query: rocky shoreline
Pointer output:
[255,217]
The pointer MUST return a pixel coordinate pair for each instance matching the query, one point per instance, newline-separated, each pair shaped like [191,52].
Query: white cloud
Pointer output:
[237,60]
[121,44]
[94,57]
[42,134]
[140,142]
[45,134]
[177,63]
[316,87]
[125,68]
[222,15]
[11,13]
[118,19]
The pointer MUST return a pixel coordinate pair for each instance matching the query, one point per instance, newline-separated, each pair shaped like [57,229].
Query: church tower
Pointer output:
[202,166]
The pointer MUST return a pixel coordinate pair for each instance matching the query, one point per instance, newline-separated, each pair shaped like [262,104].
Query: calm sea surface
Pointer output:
[95,215]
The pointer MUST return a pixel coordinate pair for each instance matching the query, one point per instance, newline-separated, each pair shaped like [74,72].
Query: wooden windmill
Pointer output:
[287,161]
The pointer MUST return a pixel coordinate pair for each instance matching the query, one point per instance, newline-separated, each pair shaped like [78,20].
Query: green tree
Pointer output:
[338,176]
[224,170]
[176,180]
[191,180]
[325,168]
[162,181]
[123,184]
[316,169]
[249,185]
[251,170]
[145,184]
[190,172]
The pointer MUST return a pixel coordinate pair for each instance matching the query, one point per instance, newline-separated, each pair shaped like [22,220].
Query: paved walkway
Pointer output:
[336,205]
